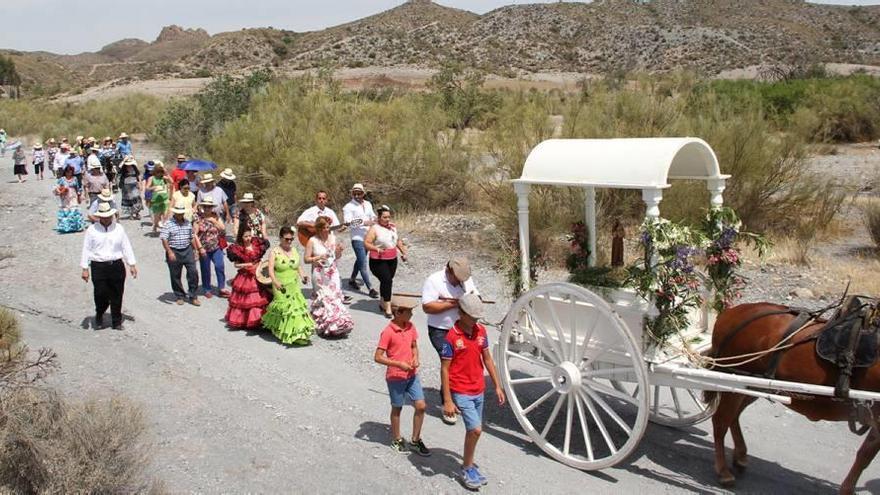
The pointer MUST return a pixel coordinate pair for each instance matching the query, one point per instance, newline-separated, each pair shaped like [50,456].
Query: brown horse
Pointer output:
[799,363]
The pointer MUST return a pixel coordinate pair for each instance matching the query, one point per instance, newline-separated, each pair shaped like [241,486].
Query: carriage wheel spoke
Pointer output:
[609,411]
[530,360]
[539,401]
[560,334]
[586,344]
[539,343]
[532,379]
[572,328]
[558,356]
[552,418]
[599,423]
[584,430]
[697,401]
[566,445]
[676,402]
[590,384]
[656,406]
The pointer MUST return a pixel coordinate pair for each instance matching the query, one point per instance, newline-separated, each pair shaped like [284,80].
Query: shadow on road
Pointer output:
[442,462]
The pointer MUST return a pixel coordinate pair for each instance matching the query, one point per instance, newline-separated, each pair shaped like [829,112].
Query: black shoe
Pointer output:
[374,293]
[353,284]
[99,322]
[418,446]
[117,326]
[347,299]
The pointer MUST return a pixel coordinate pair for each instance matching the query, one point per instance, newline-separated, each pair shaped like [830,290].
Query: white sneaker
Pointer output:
[450,420]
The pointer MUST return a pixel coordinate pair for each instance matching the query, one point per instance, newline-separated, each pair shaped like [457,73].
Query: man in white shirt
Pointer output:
[107,250]
[440,296]
[359,215]
[209,189]
[306,221]
[60,158]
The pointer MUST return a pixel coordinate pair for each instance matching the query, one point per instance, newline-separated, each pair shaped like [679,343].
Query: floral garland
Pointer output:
[724,229]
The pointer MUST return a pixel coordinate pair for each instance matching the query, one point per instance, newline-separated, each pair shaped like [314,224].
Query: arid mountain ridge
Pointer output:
[709,36]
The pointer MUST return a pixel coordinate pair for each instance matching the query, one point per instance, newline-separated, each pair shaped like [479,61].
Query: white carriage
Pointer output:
[571,361]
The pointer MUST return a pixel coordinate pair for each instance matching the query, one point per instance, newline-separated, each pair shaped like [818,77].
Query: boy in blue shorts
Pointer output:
[398,350]
[464,355]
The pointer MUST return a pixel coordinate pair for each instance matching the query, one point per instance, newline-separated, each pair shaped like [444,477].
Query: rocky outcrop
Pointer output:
[175,33]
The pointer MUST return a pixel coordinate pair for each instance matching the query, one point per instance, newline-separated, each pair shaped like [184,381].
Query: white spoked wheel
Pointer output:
[674,406]
[561,347]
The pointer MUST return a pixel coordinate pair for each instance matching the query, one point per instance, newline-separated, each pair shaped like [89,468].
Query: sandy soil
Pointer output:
[238,412]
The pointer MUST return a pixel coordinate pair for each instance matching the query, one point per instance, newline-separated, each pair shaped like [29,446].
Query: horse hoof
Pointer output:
[726,480]
[741,464]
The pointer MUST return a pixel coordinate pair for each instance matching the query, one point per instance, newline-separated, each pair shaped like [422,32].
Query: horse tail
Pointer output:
[709,396]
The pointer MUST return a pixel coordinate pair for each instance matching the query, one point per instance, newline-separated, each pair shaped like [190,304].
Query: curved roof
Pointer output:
[638,163]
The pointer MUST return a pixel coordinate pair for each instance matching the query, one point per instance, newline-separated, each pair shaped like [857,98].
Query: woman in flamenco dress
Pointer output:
[248,301]
[69,192]
[288,315]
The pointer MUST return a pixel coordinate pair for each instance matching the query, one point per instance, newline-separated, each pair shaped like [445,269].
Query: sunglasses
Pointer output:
[288,239]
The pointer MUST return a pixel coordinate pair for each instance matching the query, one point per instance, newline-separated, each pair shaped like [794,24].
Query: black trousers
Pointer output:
[184,258]
[384,270]
[108,278]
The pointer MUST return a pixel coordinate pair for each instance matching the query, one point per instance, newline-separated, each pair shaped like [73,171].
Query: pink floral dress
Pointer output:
[332,318]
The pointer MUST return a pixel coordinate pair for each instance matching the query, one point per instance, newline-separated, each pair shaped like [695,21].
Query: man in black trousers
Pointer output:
[182,250]
[106,249]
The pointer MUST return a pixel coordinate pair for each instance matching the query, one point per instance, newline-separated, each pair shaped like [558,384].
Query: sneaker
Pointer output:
[418,446]
[353,284]
[346,300]
[470,478]
[450,420]
[483,480]
[374,293]
[399,446]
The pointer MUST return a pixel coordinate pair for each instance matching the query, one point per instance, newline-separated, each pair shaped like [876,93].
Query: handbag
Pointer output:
[221,242]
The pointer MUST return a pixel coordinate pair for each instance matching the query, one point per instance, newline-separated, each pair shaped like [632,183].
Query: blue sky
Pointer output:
[34,24]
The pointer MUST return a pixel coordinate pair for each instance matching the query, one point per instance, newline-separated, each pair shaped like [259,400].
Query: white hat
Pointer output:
[105,210]
[94,166]
[247,198]
[227,174]
[179,208]
[206,179]
[129,160]
[105,195]
[358,187]
[38,146]
[207,201]
[472,305]
[122,135]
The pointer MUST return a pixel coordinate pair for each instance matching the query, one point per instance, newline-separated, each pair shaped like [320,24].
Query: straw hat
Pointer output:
[122,135]
[247,198]
[181,157]
[262,273]
[108,138]
[129,160]
[179,209]
[227,174]
[38,146]
[358,187]
[79,138]
[91,139]
[51,141]
[94,166]
[207,201]
[105,211]
[206,179]
[105,195]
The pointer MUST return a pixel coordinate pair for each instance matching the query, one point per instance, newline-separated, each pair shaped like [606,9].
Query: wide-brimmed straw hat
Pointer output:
[122,135]
[207,201]
[227,174]
[207,179]
[105,210]
[179,209]
[92,139]
[129,160]
[181,157]
[105,195]
[51,141]
[358,187]
[246,198]
[38,146]
[94,166]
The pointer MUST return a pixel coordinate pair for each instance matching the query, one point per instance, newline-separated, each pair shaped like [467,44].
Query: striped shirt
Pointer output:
[178,235]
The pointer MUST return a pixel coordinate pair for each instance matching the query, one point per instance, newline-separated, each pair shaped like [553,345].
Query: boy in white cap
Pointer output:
[464,355]
[398,350]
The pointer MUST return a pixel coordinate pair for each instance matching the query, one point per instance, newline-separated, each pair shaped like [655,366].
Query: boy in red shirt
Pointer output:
[398,350]
[464,355]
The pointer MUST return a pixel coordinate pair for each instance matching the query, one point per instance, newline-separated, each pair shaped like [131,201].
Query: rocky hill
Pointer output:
[709,36]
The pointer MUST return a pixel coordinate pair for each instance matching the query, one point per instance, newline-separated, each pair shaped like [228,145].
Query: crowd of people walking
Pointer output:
[192,213]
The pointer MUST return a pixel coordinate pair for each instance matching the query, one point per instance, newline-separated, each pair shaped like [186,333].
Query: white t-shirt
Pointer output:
[219,197]
[437,286]
[358,215]
[313,213]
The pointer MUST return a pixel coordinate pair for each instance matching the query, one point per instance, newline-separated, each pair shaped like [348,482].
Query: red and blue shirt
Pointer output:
[466,353]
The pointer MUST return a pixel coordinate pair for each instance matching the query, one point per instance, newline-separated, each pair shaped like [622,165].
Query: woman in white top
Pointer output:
[383,244]
[332,318]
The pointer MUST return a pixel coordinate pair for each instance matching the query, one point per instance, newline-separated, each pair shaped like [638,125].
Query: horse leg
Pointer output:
[864,457]
[740,452]
[728,410]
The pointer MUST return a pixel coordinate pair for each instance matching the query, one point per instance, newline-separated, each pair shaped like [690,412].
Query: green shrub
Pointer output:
[872,221]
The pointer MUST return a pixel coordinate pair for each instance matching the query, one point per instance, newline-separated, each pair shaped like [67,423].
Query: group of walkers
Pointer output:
[191,214]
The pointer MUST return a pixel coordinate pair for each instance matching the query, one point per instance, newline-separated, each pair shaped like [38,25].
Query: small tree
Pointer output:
[461,95]
[8,75]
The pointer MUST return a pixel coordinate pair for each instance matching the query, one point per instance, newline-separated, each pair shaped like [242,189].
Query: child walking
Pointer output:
[398,350]
[464,355]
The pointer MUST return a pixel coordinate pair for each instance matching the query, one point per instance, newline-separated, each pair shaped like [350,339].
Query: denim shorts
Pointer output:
[471,407]
[400,390]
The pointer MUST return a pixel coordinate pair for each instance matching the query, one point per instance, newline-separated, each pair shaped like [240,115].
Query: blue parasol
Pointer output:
[198,165]
[13,146]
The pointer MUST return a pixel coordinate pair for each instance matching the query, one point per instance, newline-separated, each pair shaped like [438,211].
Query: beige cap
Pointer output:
[460,267]
[472,305]
[405,302]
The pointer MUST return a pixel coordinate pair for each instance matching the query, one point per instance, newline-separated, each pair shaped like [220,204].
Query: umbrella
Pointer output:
[198,165]
[13,145]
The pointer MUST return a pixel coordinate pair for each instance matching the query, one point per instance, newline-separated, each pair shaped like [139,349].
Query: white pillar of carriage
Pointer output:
[646,164]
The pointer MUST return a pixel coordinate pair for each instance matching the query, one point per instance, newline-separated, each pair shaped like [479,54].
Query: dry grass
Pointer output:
[871,211]
[862,273]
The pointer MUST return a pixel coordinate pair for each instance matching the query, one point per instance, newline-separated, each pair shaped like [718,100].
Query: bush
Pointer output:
[872,221]
[10,335]
[51,446]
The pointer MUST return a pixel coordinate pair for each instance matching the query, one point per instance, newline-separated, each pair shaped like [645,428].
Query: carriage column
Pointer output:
[716,188]
[652,198]
[522,210]
[590,220]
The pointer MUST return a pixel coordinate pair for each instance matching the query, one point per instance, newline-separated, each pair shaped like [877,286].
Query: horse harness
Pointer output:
[849,339]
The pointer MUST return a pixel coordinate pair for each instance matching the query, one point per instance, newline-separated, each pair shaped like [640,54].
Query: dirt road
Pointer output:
[237,412]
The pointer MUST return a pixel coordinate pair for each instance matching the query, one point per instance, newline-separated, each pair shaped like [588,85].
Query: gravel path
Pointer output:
[238,412]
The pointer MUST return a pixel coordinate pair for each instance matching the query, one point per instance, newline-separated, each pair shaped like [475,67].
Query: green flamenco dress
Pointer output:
[288,314]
